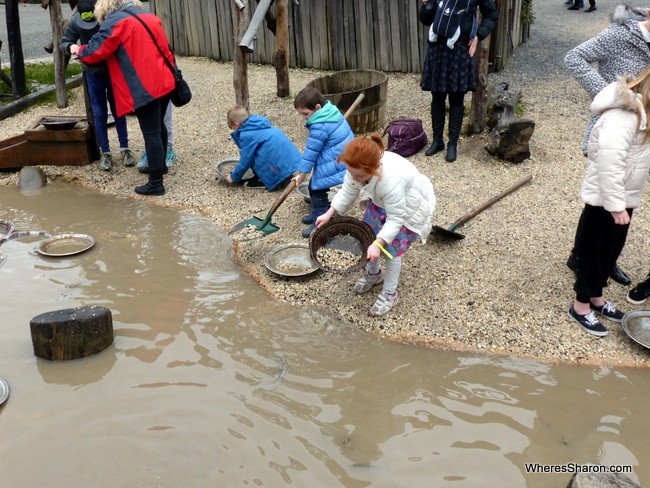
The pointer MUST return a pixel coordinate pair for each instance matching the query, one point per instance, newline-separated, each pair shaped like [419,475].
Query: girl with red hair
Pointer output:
[399,205]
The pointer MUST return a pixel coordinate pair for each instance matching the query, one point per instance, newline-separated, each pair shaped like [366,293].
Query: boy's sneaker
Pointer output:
[639,293]
[367,281]
[384,304]
[609,311]
[106,161]
[170,157]
[254,182]
[589,323]
[127,157]
[143,164]
[308,219]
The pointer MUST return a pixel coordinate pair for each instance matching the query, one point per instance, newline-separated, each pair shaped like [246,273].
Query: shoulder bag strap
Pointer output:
[137,17]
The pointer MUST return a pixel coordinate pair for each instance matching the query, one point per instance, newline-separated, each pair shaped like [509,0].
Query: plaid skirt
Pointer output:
[449,70]
[376,217]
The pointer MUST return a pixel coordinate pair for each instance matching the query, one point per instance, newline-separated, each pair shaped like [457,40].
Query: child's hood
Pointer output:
[618,95]
[255,122]
[327,113]
[622,13]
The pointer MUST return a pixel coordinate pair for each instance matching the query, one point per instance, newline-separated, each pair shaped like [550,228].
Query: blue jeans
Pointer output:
[100,91]
[319,202]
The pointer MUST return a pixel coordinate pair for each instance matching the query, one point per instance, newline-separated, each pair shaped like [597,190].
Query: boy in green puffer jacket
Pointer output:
[329,133]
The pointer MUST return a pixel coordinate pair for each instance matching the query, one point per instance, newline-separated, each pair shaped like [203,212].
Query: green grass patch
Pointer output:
[38,75]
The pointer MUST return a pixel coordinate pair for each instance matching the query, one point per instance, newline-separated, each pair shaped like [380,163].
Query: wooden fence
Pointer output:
[329,34]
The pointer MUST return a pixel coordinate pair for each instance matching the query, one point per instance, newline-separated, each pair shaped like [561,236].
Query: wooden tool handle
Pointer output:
[354,106]
[290,187]
[467,217]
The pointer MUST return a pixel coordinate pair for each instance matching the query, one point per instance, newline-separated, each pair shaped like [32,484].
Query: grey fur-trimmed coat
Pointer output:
[619,50]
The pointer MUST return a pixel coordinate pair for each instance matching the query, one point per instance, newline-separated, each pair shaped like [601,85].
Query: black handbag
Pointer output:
[182,94]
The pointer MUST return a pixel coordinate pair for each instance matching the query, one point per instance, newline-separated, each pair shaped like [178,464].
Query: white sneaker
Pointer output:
[367,281]
[384,304]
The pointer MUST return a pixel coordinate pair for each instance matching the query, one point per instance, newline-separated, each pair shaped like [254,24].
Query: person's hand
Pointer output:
[472,46]
[229,179]
[621,218]
[74,49]
[373,252]
[325,218]
[299,178]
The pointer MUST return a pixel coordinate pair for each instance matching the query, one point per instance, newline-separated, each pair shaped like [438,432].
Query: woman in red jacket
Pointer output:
[141,79]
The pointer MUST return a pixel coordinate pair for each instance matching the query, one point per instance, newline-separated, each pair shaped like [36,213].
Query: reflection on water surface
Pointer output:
[212,383]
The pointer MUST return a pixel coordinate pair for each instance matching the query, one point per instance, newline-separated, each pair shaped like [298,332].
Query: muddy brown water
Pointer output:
[210,382]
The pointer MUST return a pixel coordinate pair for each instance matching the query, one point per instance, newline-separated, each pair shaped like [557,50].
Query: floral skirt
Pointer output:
[376,217]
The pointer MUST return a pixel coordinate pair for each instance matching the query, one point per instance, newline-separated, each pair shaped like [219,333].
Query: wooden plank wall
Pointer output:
[329,34]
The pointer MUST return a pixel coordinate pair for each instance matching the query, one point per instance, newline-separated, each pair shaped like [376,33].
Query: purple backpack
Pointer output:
[405,136]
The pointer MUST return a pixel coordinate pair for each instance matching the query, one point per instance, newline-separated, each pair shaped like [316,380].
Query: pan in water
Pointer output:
[290,260]
[65,245]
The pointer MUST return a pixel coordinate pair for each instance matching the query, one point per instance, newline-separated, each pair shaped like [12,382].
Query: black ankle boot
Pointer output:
[154,186]
[435,147]
[619,276]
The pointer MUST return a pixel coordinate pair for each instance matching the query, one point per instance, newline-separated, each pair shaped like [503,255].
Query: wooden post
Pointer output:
[18,85]
[478,112]
[240,57]
[281,55]
[56,19]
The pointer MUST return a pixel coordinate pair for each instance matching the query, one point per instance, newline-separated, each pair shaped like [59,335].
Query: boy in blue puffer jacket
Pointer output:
[263,148]
[329,133]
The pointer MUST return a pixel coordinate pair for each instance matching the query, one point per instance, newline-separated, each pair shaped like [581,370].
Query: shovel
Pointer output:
[451,233]
[265,226]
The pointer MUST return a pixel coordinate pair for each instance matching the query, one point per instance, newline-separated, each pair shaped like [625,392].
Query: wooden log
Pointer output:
[281,56]
[240,57]
[71,333]
[509,137]
[56,19]
[478,113]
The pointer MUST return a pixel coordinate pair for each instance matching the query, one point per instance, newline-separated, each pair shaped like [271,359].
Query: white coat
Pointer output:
[401,190]
[619,155]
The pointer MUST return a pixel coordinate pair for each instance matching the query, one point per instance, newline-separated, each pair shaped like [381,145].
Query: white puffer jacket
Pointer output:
[401,190]
[619,157]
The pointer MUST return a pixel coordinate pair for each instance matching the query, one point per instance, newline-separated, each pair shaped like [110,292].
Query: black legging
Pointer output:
[152,125]
[599,242]
[455,99]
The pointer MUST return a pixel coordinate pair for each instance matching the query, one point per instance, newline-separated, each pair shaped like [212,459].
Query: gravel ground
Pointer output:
[504,289]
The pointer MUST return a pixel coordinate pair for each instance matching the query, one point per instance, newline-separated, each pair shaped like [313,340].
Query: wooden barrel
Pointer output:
[343,88]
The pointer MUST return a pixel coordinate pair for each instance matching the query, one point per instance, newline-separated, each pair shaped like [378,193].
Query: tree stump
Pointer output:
[509,137]
[71,333]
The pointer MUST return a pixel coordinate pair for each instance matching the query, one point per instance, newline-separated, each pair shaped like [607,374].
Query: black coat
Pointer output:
[489,16]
